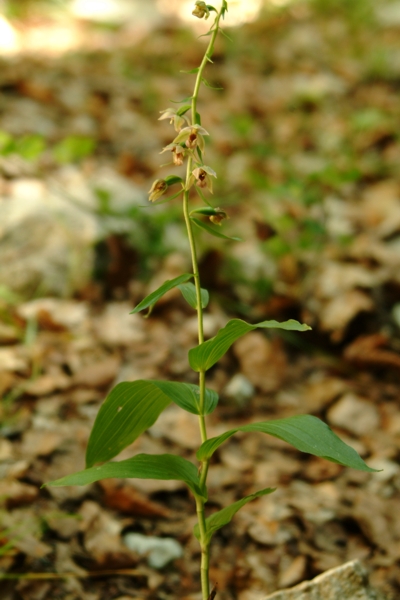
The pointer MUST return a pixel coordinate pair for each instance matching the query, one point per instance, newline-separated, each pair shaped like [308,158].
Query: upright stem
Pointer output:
[205,555]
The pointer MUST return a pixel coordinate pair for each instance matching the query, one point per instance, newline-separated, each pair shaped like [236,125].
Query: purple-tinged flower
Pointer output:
[192,136]
[178,153]
[202,177]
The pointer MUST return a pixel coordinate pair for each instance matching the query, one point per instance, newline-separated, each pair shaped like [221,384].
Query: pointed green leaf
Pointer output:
[187,396]
[205,355]
[226,35]
[209,32]
[142,466]
[304,432]
[196,70]
[208,84]
[134,406]
[224,516]
[158,293]
[183,109]
[189,293]
[213,230]
[183,100]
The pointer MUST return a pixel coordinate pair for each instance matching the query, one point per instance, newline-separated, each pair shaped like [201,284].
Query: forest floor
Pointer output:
[305,142]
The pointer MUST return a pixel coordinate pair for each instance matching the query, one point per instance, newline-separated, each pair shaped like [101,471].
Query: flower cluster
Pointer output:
[188,143]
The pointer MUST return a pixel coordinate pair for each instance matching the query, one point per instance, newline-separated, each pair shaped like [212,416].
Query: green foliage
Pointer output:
[73,148]
[188,291]
[204,356]
[224,516]
[132,407]
[29,146]
[152,298]
[142,466]
[213,230]
[304,432]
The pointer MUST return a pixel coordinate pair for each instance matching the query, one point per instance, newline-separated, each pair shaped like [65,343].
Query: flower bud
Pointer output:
[201,10]
[158,188]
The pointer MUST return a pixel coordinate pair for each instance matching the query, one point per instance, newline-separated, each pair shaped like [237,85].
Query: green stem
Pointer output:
[204,544]
[206,58]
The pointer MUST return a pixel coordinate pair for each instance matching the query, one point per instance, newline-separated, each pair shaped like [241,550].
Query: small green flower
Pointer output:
[202,177]
[201,10]
[178,153]
[192,136]
[178,120]
[158,188]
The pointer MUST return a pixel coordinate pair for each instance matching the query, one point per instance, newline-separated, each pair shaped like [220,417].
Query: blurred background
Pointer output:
[304,137]
[304,141]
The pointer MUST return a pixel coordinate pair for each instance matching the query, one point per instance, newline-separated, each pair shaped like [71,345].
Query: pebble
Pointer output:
[159,551]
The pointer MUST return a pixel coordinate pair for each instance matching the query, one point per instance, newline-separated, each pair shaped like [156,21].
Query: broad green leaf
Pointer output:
[142,466]
[187,396]
[304,432]
[213,230]
[189,293]
[134,406]
[158,293]
[205,355]
[224,516]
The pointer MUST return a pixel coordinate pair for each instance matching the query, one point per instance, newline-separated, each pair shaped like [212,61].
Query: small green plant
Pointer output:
[133,407]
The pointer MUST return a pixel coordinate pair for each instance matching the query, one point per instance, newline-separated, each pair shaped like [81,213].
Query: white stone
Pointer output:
[159,551]
[347,582]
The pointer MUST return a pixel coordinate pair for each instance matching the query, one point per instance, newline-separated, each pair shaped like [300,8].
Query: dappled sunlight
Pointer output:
[71,29]
[240,11]
[9,41]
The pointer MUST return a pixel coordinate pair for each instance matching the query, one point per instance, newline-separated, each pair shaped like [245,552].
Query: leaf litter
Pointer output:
[331,123]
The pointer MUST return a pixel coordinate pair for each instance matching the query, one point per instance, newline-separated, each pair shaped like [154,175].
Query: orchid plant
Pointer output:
[132,407]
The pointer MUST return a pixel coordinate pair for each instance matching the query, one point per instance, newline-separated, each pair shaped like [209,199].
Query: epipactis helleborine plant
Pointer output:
[133,406]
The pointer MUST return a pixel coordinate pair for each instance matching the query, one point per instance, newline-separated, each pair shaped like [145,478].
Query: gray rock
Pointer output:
[347,582]
[159,551]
